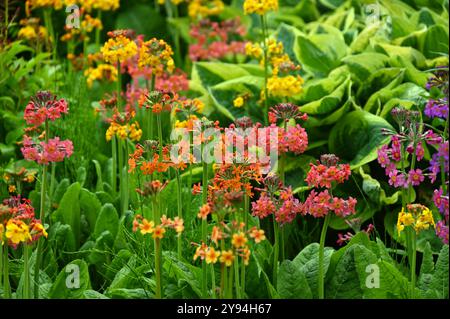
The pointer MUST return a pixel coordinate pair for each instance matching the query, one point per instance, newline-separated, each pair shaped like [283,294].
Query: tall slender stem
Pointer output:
[97,31]
[39,252]
[266,68]
[119,87]
[276,246]
[213,281]
[157,242]
[114,164]
[26,272]
[321,274]
[180,211]
[413,264]
[1,262]
[6,286]
[121,179]
[246,212]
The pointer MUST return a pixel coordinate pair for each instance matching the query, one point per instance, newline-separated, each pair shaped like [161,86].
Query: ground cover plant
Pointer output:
[224,149]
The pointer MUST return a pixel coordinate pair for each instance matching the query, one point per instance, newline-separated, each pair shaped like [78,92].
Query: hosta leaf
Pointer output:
[364,64]
[90,207]
[212,73]
[356,137]
[328,103]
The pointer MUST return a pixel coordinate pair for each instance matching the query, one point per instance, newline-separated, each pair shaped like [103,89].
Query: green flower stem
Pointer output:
[230,283]
[189,186]
[213,281]
[119,87]
[39,252]
[158,252]
[204,269]
[204,224]
[52,179]
[413,263]
[26,272]
[6,286]
[266,68]
[180,210]
[276,252]
[243,267]
[126,179]
[97,31]
[149,112]
[121,181]
[321,257]
[158,268]
[114,164]
[6,19]
[1,262]
[236,278]
[443,173]
[160,135]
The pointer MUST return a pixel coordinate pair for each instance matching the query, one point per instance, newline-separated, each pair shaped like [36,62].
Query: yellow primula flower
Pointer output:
[417,216]
[119,49]
[212,255]
[147,227]
[238,102]
[205,8]
[157,55]
[227,258]
[239,240]
[103,72]
[17,232]
[260,7]
[31,33]
[285,86]
[56,4]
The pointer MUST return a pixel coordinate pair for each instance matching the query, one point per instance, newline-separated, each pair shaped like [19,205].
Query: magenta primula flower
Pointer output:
[415,177]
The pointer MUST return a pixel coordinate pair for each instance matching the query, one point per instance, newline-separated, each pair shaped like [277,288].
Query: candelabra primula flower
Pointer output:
[157,55]
[44,153]
[119,48]
[44,106]
[417,216]
[56,4]
[145,226]
[18,224]
[260,7]
[105,72]
[131,131]
[199,9]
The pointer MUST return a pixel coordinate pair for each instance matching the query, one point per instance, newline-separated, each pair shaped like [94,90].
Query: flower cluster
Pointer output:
[90,5]
[105,72]
[440,200]
[409,142]
[437,108]
[13,177]
[119,47]
[237,242]
[199,9]
[43,152]
[260,7]
[276,200]
[148,160]
[417,216]
[44,106]
[157,55]
[18,224]
[285,80]
[324,175]
[32,31]
[157,231]
[216,40]
[131,131]
[56,4]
